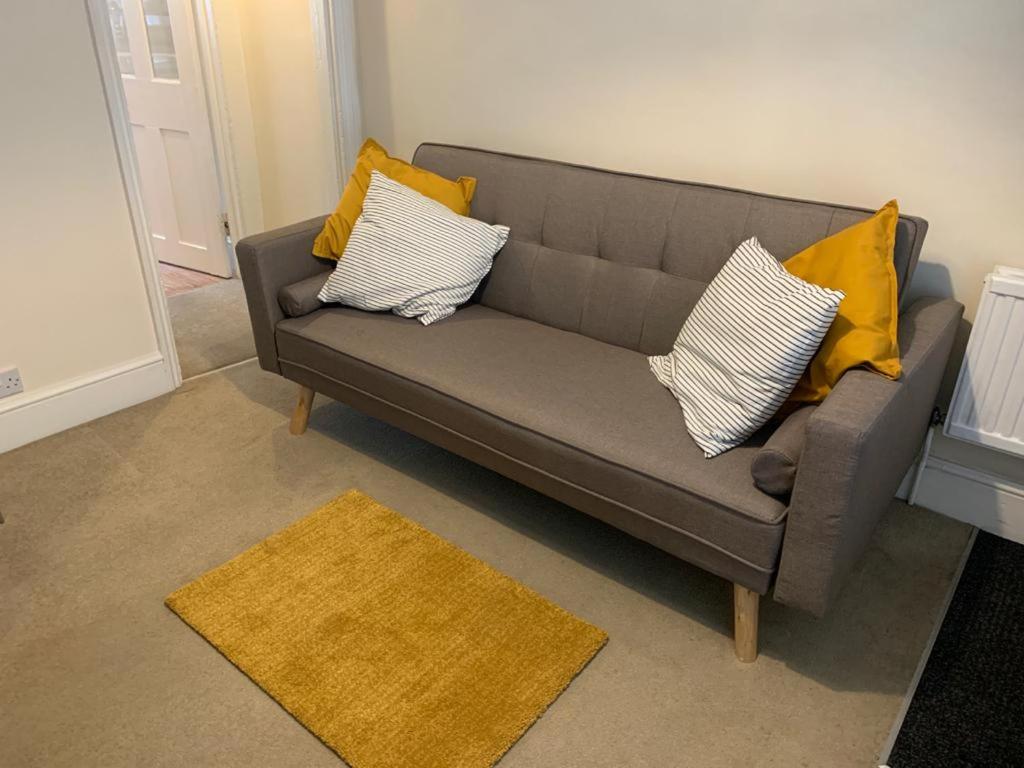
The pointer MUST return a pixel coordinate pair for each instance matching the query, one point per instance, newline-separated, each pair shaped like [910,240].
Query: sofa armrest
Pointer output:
[860,443]
[303,297]
[268,262]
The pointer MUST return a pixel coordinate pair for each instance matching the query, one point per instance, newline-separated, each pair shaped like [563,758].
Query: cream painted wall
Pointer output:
[72,299]
[269,59]
[849,102]
[230,52]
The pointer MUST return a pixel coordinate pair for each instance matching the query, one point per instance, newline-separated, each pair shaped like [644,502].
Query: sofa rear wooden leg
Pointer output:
[300,416]
[745,605]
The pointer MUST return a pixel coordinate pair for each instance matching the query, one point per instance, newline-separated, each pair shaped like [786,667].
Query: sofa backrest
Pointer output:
[624,258]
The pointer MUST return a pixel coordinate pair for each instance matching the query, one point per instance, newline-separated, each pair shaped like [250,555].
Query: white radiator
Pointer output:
[988,402]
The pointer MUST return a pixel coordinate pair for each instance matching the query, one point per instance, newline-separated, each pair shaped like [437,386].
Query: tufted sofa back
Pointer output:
[624,258]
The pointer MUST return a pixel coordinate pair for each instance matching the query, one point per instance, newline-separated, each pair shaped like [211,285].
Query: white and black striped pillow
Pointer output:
[744,346]
[411,255]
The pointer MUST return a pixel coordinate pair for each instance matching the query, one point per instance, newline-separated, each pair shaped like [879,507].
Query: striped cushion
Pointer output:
[744,346]
[411,255]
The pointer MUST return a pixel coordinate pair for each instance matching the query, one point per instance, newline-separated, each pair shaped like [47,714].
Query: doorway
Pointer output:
[184,199]
[203,97]
[158,60]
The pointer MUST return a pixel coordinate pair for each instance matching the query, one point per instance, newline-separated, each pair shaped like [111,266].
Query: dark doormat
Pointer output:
[968,709]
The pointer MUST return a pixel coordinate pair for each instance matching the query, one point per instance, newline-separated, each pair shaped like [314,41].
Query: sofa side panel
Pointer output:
[268,262]
[860,443]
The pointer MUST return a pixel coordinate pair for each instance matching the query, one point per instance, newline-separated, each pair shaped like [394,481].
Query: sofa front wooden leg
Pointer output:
[300,416]
[745,605]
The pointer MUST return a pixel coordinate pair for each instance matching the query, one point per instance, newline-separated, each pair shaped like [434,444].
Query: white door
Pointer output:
[160,71]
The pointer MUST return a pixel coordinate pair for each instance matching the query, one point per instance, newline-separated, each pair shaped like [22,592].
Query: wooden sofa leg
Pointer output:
[300,416]
[745,604]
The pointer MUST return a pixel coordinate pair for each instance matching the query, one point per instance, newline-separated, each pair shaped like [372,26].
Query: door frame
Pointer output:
[334,33]
[117,109]
[225,158]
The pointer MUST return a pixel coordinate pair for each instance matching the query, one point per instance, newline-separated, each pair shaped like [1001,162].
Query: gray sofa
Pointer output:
[543,377]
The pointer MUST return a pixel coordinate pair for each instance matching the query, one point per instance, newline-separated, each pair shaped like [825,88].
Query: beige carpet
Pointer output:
[104,521]
[391,645]
[211,327]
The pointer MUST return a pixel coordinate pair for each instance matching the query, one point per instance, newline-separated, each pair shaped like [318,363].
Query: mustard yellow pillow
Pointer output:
[331,241]
[858,261]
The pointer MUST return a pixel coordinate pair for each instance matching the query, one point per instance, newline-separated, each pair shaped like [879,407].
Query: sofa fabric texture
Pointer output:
[301,298]
[489,376]
[774,465]
[543,375]
[269,262]
[860,443]
[624,258]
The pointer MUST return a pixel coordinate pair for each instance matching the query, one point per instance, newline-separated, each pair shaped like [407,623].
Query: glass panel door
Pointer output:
[161,42]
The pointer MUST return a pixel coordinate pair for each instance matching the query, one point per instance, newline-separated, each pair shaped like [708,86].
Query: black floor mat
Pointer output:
[968,709]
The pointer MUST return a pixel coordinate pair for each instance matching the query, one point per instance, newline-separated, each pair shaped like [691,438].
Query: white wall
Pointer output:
[269,60]
[74,316]
[72,301]
[230,53]
[849,102]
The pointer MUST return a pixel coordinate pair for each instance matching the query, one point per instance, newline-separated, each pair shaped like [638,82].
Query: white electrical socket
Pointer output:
[10,382]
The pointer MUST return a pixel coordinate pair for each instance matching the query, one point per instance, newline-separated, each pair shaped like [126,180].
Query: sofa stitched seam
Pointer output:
[647,307]
[664,242]
[598,494]
[530,302]
[533,267]
[916,239]
[673,275]
[746,219]
[594,265]
[641,473]
[586,296]
[544,215]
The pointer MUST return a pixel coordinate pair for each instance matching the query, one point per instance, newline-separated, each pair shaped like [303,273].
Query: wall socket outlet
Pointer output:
[10,382]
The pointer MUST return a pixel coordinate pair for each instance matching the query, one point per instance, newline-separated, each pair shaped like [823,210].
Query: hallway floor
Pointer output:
[177,280]
[211,327]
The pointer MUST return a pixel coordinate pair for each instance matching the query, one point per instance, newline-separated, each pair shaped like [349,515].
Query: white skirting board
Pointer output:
[989,502]
[83,399]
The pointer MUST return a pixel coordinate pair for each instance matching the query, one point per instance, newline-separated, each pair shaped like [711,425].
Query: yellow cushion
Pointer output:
[857,261]
[330,243]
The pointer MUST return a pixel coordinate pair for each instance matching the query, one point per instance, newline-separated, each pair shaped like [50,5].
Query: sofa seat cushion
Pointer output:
[580,409]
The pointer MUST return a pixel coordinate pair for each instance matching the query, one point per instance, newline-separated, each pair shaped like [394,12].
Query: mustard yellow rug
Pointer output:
[393,646]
